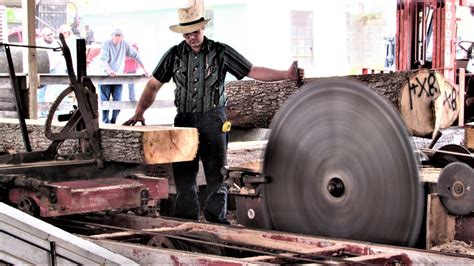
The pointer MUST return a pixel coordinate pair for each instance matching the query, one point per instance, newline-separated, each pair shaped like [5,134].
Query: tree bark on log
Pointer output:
[425,100]
[131,144]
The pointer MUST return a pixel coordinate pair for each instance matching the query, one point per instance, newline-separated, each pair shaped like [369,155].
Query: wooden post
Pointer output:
[29,62]
[462,91]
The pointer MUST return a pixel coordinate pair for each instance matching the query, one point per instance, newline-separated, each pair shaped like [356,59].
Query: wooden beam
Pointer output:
[469,135]
[48,79]
[440,226]
[131,144]
[29,27]
[120,105]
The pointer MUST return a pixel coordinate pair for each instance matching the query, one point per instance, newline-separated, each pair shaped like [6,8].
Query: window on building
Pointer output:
[302,36]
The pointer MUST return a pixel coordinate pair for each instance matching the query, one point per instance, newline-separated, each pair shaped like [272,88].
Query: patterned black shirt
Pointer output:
[200,77]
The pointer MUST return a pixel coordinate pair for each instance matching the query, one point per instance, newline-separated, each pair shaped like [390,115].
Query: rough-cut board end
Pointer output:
[469,136]
[170,145]
[153,144]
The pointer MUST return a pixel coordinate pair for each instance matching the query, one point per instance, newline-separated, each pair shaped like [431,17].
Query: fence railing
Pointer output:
[7,100]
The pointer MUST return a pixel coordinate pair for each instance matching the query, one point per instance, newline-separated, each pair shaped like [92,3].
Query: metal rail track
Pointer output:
[145,235]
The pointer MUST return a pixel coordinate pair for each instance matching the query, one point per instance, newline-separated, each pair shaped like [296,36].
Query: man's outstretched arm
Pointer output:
[269,74]
[146,100]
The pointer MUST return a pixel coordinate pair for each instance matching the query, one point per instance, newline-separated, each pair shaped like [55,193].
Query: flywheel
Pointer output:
[341,165]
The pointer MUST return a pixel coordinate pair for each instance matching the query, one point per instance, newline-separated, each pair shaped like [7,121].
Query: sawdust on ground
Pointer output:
[455,246]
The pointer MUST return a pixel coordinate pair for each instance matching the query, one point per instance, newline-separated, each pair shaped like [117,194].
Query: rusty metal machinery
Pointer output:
[341,165]
[46,183]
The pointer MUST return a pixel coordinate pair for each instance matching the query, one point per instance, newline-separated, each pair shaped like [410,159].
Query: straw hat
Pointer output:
[190,19]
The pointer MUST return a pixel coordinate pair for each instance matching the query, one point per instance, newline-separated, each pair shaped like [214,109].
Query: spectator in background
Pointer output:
[71,43]
[90,38]
[75,27]
[131,67]
[113,54]
[47,40]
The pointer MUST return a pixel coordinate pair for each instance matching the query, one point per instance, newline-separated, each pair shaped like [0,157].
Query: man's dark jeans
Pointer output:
[107,90]
[212,151]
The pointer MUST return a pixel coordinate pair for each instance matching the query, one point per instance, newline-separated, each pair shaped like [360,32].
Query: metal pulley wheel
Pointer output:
[341,165]
[452,153]
[456,188]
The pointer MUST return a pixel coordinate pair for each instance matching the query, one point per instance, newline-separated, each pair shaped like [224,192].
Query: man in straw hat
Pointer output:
[198,66]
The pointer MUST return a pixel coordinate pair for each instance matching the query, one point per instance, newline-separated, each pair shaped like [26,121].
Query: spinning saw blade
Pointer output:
[341,165]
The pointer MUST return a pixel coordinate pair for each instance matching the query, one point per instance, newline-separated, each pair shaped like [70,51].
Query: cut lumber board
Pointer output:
[131,144]
[469,136]
[248,154]
[425,100]
[429,174]
[440,225]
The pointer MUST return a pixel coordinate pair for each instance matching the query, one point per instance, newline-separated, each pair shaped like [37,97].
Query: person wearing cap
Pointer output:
[47,40]
[198,67]
[113,54]
[70,40]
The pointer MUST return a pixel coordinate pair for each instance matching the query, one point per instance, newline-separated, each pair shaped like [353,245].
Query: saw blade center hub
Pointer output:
[458,189]
[336,187]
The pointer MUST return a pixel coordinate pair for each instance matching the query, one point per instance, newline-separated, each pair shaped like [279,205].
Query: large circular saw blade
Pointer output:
[341,165]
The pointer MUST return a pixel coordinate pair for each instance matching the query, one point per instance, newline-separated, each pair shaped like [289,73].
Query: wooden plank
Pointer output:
[7,104]
[7,93]
[108,105]
[374,258]
[469,136]
[119,105]
[132,144]
[429,174]
[5,83]
[247,154]
[8,114]
[263,258]
[29,26]
[440,226]
[462,91]
[49,79]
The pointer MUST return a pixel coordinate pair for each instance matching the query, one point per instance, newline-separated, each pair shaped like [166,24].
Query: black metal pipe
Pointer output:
[19,104]
[81,59]
[52,245]
[57,49]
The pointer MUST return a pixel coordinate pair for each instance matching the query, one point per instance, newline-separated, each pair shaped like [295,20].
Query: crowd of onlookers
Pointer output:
[111,57]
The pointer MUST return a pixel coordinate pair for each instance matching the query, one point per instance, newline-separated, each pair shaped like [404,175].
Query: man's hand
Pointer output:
[111,73]
[296,73]
[135,119]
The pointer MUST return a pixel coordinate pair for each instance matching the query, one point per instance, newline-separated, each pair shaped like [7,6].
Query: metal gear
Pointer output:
[341,165]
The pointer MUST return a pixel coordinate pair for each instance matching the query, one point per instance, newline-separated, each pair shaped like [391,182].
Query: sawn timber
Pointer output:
[138,144]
